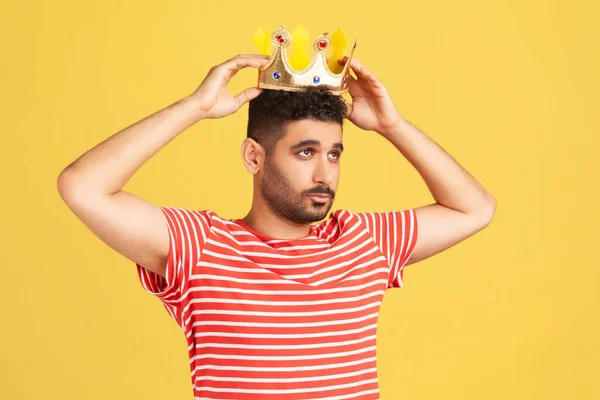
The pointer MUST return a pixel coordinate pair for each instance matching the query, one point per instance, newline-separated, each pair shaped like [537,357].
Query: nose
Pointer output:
[323,174]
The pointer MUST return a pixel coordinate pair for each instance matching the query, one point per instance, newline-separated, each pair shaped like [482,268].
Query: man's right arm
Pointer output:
[92,185]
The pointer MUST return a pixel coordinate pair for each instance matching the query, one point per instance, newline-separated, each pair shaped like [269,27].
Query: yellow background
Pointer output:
[509,88]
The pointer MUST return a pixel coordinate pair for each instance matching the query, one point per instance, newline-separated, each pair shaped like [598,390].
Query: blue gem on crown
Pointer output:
[316,79]
[276,75]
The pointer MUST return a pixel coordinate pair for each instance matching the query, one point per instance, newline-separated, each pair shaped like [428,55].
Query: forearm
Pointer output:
[107,167]
[450,184]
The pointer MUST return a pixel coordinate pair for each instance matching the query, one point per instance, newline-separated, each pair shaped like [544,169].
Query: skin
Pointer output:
[280,205]
[305,161]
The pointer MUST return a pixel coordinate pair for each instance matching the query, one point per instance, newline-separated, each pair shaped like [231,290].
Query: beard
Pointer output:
[289,205]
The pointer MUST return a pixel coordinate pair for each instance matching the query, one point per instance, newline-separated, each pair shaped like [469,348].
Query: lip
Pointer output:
[320,196]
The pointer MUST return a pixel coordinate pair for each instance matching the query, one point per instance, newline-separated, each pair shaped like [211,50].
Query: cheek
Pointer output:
[299,173]
[336,173]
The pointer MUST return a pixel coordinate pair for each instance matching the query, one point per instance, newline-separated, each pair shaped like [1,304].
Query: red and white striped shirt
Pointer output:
[276,319]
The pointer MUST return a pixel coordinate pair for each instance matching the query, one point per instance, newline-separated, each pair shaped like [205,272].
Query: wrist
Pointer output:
[396,128]
[194,107]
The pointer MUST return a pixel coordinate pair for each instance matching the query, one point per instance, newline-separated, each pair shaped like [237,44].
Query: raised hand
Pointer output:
[372,107]
[212,97]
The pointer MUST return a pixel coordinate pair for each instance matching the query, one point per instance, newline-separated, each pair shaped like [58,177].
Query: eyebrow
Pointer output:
[312,142]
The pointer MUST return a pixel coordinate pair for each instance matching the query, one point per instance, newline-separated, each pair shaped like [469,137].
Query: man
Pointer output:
[273,306]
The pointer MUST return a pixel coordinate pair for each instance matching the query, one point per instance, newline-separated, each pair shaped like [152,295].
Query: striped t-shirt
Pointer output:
[274,319]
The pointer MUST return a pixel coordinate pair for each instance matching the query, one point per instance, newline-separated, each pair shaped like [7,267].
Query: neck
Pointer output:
[262,220]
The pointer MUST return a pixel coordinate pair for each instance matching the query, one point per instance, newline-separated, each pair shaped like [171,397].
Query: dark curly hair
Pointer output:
[272,110]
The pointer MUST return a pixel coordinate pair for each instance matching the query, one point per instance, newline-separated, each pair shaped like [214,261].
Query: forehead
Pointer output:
[327,133]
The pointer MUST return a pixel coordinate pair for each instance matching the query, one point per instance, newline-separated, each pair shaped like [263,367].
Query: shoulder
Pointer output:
[186,216]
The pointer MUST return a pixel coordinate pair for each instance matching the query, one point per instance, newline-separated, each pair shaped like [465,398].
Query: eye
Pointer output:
[305,151]
[336,154]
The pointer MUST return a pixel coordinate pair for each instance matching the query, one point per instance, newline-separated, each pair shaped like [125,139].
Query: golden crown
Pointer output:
[298,72]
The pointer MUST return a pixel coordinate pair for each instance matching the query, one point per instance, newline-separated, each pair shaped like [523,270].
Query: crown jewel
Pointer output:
[298,72]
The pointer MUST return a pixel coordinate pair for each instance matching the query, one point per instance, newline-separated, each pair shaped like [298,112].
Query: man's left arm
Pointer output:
[462,208]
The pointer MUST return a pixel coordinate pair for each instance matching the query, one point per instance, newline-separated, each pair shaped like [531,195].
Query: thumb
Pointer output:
[246,96]
[348,108]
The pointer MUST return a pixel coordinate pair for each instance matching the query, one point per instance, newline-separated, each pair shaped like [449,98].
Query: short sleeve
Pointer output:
[395,233]
[188,230]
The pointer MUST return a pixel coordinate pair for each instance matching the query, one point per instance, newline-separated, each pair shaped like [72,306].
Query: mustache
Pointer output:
[321,190]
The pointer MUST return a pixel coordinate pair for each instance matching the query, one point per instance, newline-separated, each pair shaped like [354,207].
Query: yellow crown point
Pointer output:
[262,40]
[300,39]
[259,39]
[338,42]
[267,45]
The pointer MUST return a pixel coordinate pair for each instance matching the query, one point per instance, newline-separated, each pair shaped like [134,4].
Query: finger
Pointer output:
[342,61]
[359,69]
[362,72]
[246,96]
[231,67]
[245,60]
[348,108]
[251,56]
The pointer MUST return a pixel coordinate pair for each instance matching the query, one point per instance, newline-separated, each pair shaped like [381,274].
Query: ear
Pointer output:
[253,155]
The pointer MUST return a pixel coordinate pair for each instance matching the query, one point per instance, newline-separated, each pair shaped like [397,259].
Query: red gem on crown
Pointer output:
[280,38]
[323,44]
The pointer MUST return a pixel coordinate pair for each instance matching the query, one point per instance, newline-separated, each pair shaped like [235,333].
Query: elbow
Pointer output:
[62,183]
[67,184]
[488,211]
